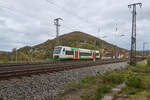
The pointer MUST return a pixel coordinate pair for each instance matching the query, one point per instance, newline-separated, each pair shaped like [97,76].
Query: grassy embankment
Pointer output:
[136,79]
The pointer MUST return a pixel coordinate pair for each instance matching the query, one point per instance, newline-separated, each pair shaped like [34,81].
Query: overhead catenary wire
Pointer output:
[14,12]
[73,14]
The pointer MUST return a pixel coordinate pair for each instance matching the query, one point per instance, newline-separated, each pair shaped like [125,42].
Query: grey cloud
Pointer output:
[25,22]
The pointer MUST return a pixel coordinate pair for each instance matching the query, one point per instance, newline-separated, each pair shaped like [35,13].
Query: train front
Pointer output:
[57,52]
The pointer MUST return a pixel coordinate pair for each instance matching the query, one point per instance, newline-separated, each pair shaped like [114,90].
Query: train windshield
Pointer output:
[57,50]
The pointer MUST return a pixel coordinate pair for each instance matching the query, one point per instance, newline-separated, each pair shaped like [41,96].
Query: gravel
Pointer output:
[46,86]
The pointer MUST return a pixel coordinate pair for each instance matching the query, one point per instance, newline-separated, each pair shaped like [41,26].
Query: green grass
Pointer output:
[148,60]
[84,83]
[115,77]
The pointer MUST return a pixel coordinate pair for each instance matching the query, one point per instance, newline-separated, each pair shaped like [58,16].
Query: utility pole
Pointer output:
[15,54]
[133,37]
[147,49]
[94,59]
[56,22]
[115,44]
[102,44]
[144,43]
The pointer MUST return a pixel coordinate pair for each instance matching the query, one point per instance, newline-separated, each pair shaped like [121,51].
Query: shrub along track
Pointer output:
[8,71]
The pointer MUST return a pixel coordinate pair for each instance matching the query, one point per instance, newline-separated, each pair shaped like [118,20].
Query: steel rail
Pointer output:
[27,70]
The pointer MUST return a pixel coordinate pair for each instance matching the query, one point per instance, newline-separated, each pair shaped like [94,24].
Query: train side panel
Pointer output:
[74,53]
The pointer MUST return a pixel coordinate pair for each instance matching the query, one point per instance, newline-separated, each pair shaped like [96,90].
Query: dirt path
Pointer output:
[142,62]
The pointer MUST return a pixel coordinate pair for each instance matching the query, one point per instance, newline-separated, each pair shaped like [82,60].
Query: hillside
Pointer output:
[74,39]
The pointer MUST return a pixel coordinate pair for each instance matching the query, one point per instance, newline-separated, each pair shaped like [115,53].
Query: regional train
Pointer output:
[66,53]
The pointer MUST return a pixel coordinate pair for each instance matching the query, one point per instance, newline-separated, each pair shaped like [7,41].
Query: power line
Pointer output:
[14,11]
[71,13]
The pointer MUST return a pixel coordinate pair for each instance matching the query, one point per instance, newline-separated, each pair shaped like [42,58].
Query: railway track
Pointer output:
[26,69]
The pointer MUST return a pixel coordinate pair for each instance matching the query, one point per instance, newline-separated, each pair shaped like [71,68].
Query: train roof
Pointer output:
[73,47]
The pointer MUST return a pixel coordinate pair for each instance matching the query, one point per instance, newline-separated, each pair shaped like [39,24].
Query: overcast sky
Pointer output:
[30,22]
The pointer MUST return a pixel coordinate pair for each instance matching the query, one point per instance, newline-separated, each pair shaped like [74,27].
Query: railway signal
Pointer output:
[133,37]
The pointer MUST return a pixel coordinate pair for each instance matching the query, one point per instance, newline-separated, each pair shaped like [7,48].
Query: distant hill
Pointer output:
[73,39]
[2,52]
[140,53]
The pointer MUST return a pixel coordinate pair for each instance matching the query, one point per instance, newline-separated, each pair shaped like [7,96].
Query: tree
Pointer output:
[48,54]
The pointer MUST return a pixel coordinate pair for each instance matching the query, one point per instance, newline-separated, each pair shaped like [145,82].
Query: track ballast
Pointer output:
[26,69]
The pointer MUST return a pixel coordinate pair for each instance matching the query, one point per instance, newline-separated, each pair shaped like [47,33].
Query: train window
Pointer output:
[57,50]
[69,53]
[97,54]
[64,50]
[85,54]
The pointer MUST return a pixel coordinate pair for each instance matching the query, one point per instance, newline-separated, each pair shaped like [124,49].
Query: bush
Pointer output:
[101,91]
[140,69]
[98,95]
[74,86]
[133,80]
[86,97]
[84,83]
[130,90]
[104,89]
[115,77]
[89,80]
[148,60]
[5,61]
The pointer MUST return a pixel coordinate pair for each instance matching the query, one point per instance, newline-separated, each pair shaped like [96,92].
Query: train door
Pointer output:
[94,55]
[76,54]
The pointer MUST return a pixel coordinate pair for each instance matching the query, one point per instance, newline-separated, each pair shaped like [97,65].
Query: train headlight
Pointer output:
[56,57]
